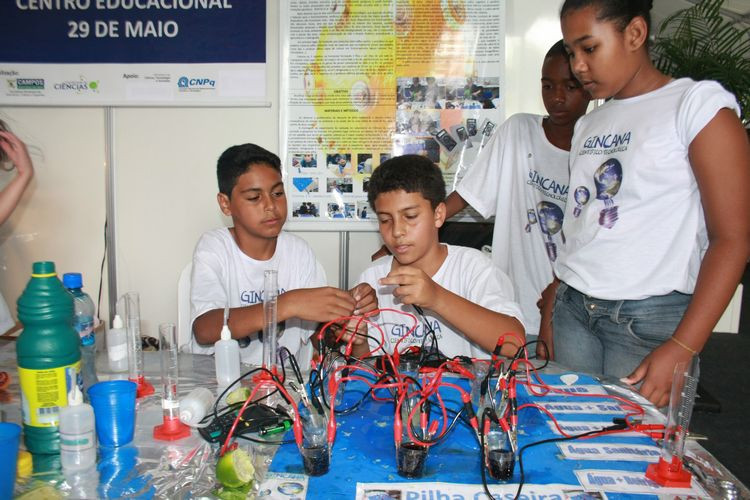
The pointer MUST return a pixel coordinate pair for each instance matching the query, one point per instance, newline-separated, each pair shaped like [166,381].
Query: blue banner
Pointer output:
[133,31]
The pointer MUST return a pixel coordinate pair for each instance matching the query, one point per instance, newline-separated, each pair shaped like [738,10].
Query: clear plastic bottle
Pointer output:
[227,357]
[83,322]
[117,346]
[77,438]
[195,405]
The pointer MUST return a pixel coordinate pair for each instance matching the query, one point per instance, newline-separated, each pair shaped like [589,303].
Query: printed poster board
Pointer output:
[365,80]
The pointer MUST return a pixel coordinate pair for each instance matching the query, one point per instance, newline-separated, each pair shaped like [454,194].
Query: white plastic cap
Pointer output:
[186,416]
[225,333]
[76,398]
[117,322]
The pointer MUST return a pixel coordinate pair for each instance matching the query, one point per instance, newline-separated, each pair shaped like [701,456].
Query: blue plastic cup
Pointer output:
[9,436]
[114,410]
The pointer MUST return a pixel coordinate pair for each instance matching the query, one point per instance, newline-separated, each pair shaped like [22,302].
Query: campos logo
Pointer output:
[26,84]
[185,83]
[78,86]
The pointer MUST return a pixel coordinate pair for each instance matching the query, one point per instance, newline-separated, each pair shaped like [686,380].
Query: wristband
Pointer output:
[684,346]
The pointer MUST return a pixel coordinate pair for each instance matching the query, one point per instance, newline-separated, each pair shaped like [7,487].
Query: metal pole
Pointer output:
[344,259]
[109,142]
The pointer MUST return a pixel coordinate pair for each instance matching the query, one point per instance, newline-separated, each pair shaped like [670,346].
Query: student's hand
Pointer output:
[545,334]
[413,286]
[317,304]
[17,153]
[656,371]
[365,297]
[382,252]
[546,305]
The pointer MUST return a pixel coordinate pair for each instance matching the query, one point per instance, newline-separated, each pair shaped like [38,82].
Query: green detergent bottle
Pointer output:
[49,357]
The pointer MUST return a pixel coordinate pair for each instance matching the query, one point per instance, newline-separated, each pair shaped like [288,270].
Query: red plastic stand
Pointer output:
[669,473]
[263,376]
[171,430]
[144,388]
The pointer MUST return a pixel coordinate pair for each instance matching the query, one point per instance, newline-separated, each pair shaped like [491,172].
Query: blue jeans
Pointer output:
[611,337]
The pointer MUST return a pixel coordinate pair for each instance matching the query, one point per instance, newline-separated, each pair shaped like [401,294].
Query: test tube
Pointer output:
[669,471]
[270,318]
[135,351]
[171,428]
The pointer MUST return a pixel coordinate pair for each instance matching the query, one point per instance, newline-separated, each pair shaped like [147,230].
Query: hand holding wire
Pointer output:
[414,286]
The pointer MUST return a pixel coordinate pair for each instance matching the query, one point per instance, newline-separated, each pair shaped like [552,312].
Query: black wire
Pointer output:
[101,277]
[553,440]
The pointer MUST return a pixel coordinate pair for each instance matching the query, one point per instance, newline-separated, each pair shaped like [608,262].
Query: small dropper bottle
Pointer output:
[226,356]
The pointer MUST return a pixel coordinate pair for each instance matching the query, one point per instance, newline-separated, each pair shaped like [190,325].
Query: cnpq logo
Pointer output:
[184,83]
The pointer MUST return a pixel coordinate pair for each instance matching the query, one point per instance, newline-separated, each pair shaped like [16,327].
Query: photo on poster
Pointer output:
[305,184]
[419,93]
[304,161]
[364,211]
[385,157]
[417,122]
[305,209]
[472,93]
[339,185]
[339,164]
[405,145]
[365,184]
[341,210]
[364,163]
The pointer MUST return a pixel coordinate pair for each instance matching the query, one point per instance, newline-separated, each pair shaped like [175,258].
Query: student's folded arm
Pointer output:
[479,324]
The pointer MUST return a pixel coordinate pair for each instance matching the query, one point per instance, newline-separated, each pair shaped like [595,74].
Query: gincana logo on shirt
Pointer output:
[547,185]
[605,144]
[254,296]
[398,331]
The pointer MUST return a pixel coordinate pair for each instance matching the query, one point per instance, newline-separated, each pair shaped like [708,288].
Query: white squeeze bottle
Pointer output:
[117,346]
[195,406]
[226,356]
[77,439]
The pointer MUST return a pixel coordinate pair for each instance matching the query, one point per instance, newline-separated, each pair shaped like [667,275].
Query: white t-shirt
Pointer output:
[466,272]
[635,225]
[222,272]
[522,179]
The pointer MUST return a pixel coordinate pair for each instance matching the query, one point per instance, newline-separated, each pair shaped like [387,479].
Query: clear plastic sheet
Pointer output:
[185,469]
[145,468]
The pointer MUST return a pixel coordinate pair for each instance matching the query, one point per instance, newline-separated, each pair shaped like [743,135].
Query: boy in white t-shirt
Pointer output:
[467,302]
[228,265]
[521,178]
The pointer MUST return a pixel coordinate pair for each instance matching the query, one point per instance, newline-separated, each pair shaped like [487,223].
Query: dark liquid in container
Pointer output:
[500,464]
[316,460]
[411,458]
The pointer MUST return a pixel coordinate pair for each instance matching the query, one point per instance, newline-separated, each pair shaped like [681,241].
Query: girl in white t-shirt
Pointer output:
[657,223]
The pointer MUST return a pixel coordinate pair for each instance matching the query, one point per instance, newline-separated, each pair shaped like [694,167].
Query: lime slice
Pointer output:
[235,468]
[238,395]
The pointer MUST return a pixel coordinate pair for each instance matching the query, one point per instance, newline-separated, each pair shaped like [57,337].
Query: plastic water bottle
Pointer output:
[117,346]
[77,439]
[195,405]
[227,357]
[83,322]
[48,355]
